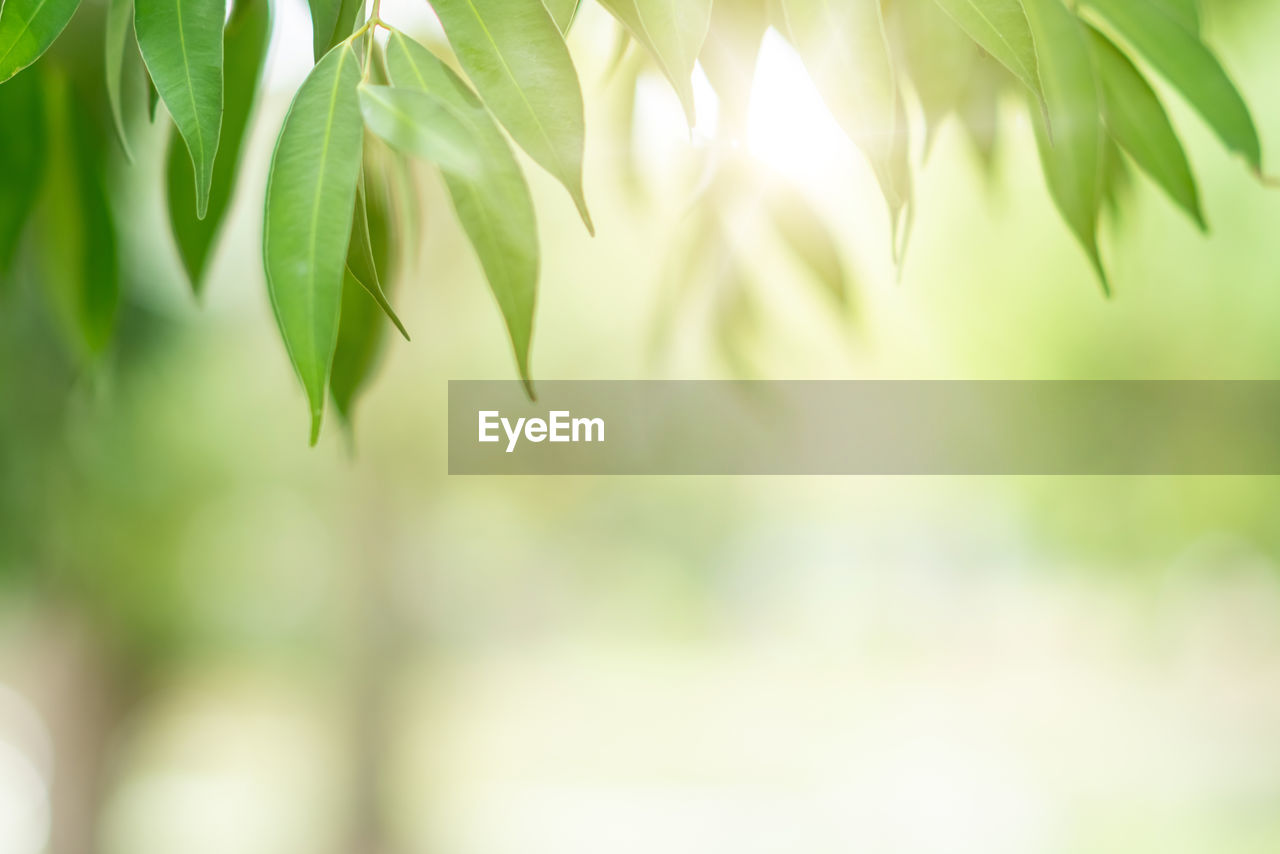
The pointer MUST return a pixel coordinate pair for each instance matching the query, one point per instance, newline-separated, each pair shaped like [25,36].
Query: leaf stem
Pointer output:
[368,28]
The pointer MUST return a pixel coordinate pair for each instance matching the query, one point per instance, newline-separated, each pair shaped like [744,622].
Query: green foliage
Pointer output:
[673,31]
[311,194]
[181,43]
[805,233]
[362,260]
[1137,121]
[729,57]
[1179,54]
[331,22]
[245,42]
[1072,157]
[1000,27]
[845,49]
[518,61]
[494,207]
[28,28]
[23,155]
[375,257]
[563,12]
[119,23]
[937,56]
[77,255]
[338,203]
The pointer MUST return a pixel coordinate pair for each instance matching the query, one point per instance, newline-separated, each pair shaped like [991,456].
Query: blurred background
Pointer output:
[215,639]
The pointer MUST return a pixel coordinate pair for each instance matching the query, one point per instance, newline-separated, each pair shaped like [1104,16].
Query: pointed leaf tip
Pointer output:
[493,207]
[181,44]
[516,57]
[673,31]
[311,192]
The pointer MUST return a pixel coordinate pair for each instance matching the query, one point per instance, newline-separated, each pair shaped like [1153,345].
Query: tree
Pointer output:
[339,211]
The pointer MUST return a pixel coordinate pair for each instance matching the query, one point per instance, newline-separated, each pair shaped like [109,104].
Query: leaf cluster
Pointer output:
[339,216]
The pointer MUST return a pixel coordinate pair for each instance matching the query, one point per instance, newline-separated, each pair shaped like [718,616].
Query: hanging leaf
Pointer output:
[938,56]
[1072,159]
[362,261]
[361,333]
[494,207]
[806,234]
[563,12]
[331,22]
[311,192]
[844,49]
[181,43]
[119,23]
[22,158]
[1117,178]
[1000,28]
[1137,120]
[737,323]
[77,255]
[419,124]
[153,98]
[361,337]
[980,111]
[1178,54]
[324,21]
[27,28]
[518,61]
[673,31]
[729,57]
[248,33]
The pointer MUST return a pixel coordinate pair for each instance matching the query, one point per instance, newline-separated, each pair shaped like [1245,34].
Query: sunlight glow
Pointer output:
[789,128]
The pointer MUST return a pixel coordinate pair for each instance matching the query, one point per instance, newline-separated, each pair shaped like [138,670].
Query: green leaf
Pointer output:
[518,61]
[119,22]
[1137,121]
[311,192]
[1185,12]
[1072,160]
[1179,55]
[494,208]
[979,111]
[360,338]
[1000,28]
[22,159]
[248,33]
[729,57]
[361,259]
[181,43]
[844,48]
[673,31]
[422,125]
[324,21]
[806,234]
[331,22]
[153,98]
[1117,177]
[362,332]
[27,28]
[563,12]
[78,254]
[938,56]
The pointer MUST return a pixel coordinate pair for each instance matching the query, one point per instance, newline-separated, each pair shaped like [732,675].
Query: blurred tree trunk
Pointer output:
[84,694]
[374,660]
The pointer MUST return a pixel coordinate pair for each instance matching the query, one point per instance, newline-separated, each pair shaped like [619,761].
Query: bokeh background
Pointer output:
[216,639]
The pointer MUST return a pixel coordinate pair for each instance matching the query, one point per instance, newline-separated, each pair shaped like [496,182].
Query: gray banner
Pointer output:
[865,427]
